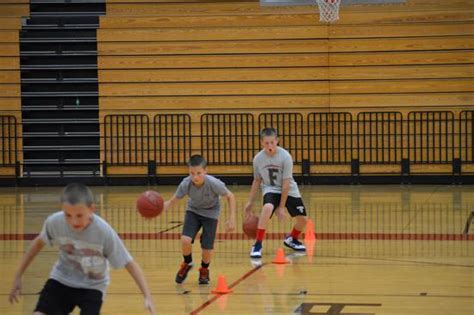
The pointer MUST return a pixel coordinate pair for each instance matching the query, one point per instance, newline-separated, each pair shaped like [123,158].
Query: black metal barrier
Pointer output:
[319,138]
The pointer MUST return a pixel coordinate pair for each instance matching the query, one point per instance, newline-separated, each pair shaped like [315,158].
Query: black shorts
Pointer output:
[294,205]
[193,222]
[59,299]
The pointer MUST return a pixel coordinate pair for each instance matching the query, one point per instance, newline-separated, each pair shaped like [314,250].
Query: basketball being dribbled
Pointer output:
[250,226]
[150,204]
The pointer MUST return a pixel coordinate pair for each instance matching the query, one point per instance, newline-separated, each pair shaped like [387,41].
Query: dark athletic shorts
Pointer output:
[59,299]
[193,222]
[294,205]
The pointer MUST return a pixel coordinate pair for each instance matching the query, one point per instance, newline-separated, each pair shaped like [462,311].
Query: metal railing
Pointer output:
[320,138]
[466,136]
[8,141]
[431,137]
[329,138]
[229,138]
[379,137]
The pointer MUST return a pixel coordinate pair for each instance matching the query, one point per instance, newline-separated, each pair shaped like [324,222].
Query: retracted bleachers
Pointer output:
[377,72]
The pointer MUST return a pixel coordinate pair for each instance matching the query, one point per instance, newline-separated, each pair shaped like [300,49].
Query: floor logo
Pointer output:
[332,308]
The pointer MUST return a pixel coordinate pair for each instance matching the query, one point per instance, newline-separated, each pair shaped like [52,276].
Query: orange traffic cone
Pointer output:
[222,302]
[280,257]
[280,270]
[310,249]
[309,234]
[221,286]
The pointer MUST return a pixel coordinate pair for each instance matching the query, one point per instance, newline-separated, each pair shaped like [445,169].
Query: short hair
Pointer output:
[268,132]
[197,160]
[76,193]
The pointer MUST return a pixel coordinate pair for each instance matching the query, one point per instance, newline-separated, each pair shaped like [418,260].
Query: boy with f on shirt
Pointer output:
[273,171]
[202,210]
[87,244]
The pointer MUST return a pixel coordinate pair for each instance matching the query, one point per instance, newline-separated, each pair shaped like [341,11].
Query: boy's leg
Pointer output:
[270,203]
[190,228]
[209,229]
[297,210]
[55,298]
[90,301]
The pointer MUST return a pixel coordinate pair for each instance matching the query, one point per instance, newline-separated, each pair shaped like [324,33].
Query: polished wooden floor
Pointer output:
[379,250]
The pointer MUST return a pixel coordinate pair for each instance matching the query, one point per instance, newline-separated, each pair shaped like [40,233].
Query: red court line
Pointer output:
[276,236]
[217,296]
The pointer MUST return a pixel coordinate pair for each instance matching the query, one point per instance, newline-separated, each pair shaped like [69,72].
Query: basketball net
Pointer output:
[328,10]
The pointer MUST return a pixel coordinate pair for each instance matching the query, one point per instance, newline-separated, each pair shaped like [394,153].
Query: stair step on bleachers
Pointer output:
[59,77]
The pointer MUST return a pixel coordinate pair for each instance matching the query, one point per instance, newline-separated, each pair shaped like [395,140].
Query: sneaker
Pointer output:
[256,262]
[183,272]
[203,275]
[256,253]
[294,244]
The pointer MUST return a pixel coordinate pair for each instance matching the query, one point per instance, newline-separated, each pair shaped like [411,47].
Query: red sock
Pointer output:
[260,235]
[295,233]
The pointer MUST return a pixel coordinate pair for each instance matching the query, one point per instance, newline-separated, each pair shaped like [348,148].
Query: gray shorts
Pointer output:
[193,222]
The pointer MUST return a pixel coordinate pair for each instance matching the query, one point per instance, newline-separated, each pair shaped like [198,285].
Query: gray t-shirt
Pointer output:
[84,256]
[273,169]
[203,200]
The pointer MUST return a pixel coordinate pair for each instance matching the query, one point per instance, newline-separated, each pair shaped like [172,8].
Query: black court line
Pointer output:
[404,261]
[217,296]
[171,228]
[419,295]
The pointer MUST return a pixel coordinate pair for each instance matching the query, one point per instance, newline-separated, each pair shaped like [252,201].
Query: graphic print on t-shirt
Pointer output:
[85,257]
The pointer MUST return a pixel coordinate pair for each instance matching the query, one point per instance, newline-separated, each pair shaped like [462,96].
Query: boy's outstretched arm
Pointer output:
[230,225]
[137,274]
[170,203]
[28,257]
[253,191]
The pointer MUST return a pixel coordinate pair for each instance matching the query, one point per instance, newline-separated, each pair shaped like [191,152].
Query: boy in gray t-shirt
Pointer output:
[87,244]
[202,210]
[273,172]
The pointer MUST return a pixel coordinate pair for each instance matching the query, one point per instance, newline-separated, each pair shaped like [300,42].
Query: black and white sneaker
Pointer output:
[294,244]
[256,252]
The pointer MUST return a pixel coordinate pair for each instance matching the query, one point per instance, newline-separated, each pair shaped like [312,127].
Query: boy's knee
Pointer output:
[268,207]
[186,240]
[302,219]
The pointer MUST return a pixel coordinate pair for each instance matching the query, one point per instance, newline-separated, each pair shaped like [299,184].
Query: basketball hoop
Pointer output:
[328,10]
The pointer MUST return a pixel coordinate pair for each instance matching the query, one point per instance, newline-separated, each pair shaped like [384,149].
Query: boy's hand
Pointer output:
[281,213]
[15,291]
[150,306]
[248,210]
[230,226]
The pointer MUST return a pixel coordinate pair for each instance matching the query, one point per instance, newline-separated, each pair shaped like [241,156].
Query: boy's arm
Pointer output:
[232,207]
[137,274]
[30,254]
[253,191]
[170,203]
[285,188]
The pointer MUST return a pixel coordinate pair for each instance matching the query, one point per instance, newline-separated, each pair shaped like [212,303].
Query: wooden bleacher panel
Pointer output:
[11,12]
[244,8]
[200,57]
[17,8]
[402,58]
[9,49]
[213,61]
[7,76]
[10,23]
[220,75]
[380,18]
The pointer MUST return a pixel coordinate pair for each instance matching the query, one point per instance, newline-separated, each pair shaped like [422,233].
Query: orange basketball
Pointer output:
[250,226]
[150,204]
